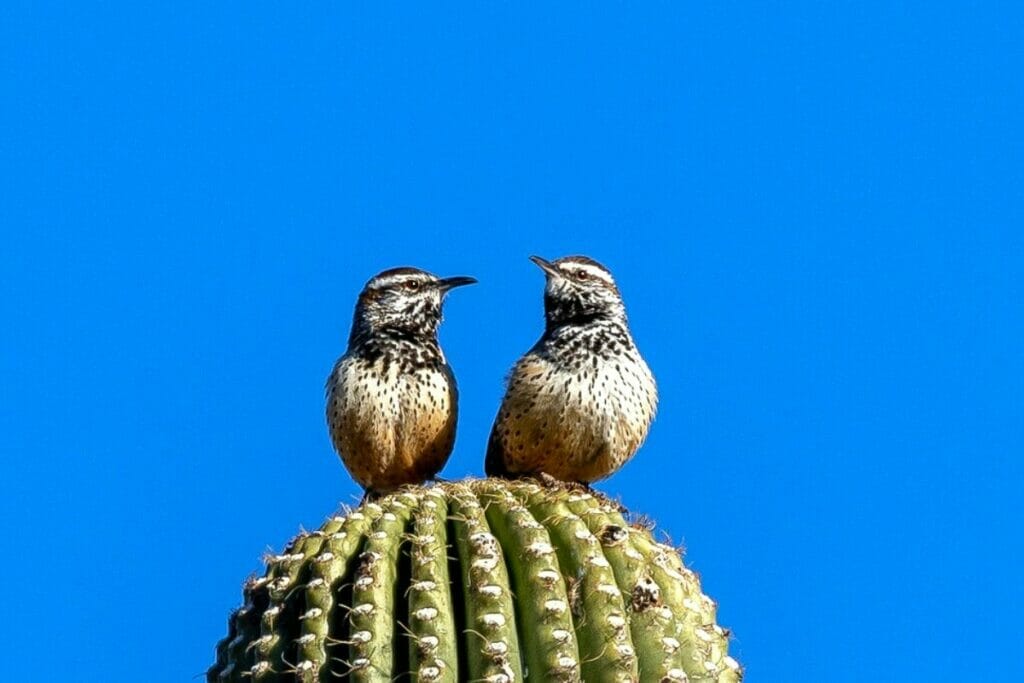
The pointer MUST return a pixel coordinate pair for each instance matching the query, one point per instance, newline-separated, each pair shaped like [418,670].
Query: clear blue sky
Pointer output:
[814,211]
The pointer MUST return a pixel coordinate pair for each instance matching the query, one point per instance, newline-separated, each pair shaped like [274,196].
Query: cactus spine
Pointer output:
[482,580]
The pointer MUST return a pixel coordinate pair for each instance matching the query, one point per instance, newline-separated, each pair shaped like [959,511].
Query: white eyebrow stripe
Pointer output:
[389,280]
[595,271]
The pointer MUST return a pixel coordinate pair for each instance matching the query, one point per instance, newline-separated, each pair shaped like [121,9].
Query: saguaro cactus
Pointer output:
[481,580]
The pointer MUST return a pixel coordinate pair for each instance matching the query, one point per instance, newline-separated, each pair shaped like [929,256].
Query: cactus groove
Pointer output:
[480,580]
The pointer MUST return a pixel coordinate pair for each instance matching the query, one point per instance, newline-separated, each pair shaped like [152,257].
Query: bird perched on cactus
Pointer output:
[580,402]
[392,400]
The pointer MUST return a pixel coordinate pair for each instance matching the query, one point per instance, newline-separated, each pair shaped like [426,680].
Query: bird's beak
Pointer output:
[546,266]
[452,282]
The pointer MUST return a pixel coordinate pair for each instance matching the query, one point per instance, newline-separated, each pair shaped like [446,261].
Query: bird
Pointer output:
[579,403]
[392,399]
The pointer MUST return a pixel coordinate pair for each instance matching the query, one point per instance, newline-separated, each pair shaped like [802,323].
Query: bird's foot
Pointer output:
[547,480]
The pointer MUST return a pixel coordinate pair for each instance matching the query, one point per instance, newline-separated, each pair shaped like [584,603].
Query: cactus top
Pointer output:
[482,580]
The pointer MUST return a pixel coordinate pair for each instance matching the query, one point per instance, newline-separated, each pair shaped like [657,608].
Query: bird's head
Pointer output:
[403,300]
[579,289]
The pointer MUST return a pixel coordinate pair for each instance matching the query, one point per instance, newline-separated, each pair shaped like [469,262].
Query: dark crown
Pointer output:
[583,260]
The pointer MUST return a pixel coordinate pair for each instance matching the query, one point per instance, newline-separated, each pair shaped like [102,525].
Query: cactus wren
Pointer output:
[392,399]
[580,402]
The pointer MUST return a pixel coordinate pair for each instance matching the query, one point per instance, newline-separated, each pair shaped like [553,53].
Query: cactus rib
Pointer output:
[279,628]
[599,614]
[329,570]
[545,630]
[650,620]
[490,638]
[374,597]
[702,642]
[433,653]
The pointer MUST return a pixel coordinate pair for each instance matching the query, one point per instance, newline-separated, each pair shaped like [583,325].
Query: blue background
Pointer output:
[814,211]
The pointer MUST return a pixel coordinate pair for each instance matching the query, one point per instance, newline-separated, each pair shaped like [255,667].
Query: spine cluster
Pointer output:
[485,580]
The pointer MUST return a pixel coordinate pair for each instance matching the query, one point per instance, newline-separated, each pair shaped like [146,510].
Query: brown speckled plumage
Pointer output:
[580,402]
[392,400]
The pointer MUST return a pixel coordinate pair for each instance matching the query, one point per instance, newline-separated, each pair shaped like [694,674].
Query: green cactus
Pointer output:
[480,580]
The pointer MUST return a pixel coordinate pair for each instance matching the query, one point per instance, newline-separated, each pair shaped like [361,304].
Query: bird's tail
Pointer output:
[494,462]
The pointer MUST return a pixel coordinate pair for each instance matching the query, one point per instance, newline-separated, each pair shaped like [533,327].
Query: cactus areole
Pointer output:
[480,580]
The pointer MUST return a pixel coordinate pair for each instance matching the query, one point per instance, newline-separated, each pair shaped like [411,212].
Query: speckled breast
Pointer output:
[391,427]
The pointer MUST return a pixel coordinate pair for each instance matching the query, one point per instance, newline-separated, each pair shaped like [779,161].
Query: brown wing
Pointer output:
[527,376]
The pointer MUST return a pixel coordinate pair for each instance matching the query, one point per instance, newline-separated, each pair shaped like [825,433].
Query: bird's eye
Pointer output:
[582,274]
[412,285]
